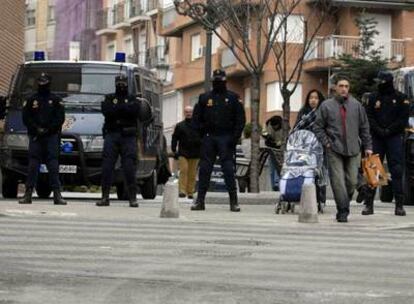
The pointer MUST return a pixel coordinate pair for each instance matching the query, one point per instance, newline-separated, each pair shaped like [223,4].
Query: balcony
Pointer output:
[152,7]
[171,23]
[155,56]
[105,20]
[137,11]
[230,63]
[152,57]
[326,51]
[121,15]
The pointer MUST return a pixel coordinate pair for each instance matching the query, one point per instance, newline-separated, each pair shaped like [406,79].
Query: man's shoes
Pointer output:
[198,205]
[181,195]
[342,218]
[57,198]
[399,206]
[368,206]
[368,209]
[190,196]
[234,204]
[27,198]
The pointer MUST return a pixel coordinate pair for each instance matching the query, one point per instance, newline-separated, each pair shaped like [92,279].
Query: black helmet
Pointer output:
[385,77]
[43,79]
[219,75]
[121,80]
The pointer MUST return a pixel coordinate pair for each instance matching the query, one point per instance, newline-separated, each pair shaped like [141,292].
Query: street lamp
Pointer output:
[201,12]
[162,71]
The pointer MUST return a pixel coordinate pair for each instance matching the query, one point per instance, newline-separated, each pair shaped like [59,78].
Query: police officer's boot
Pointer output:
[104,201]
[199,204]
[234,204]
[132,194]
[57,198]
[27,197]
[399,206]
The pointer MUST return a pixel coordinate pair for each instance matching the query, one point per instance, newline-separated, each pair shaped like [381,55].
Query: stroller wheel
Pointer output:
[278,208]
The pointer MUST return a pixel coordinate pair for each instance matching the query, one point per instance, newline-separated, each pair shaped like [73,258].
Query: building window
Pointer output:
[110,52]
[30,17]
[275,100]
[51,13]
[292,32]
[129,48]
[196,48]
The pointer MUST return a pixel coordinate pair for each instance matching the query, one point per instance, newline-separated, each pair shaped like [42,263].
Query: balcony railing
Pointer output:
[152,5]
[105,19]
[152,57]
[332,47]
[135,8]
[155,56]
[120,13]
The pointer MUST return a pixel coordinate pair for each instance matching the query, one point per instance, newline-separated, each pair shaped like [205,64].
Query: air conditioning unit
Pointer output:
[201,51]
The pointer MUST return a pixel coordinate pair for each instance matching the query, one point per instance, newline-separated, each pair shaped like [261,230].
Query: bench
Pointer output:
[243,166]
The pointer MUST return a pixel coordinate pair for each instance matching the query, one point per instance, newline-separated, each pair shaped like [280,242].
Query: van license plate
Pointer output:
[64,169]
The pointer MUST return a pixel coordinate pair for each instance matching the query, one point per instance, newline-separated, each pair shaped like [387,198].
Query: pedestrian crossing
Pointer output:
[298,263]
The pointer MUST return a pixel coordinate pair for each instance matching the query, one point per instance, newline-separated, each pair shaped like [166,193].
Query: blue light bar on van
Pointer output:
[39,56]
[120,57]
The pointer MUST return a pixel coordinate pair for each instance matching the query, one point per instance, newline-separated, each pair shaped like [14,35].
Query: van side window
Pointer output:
[138,90]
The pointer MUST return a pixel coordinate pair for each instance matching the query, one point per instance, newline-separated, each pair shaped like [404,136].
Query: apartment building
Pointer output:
[76,25]
[131,26]
[40,27]
[11,40]
[396,33]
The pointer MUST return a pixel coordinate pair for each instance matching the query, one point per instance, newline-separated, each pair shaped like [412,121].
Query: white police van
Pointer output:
[83,85]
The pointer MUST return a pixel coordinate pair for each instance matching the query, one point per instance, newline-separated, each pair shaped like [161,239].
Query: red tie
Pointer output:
[343,116]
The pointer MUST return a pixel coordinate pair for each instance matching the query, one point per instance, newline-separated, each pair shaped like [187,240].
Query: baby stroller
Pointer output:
[303,164]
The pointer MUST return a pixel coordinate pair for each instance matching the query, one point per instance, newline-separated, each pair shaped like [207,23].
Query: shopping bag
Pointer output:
[374,171]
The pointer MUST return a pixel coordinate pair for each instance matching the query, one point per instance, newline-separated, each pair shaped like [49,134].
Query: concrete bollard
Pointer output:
[170,208]
[308,208]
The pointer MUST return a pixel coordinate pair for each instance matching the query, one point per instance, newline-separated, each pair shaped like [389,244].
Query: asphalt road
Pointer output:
[84,254]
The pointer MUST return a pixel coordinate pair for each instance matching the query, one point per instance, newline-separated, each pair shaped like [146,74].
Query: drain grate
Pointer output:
[216,253]
[239,242]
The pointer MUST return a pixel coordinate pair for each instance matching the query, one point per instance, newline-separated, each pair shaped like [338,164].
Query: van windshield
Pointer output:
[76,84]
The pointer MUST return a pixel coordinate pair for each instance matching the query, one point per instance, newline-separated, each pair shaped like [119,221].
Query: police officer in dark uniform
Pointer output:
[219,118]
[43,114]
[388,112]
[121,112]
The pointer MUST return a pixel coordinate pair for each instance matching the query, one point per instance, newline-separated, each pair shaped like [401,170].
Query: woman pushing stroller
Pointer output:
[305,120]
[304,158]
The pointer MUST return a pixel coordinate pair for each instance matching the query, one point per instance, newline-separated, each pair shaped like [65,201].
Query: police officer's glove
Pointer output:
[41,131]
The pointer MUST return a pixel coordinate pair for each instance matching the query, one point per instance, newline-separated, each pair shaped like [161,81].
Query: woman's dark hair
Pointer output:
[306,107]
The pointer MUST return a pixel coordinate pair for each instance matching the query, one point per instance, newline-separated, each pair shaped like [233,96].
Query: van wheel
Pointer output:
[10,185]
[121,192]
[43,189]
[149,188]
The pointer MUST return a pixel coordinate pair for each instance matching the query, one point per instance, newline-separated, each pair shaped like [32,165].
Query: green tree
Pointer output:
[363,66]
